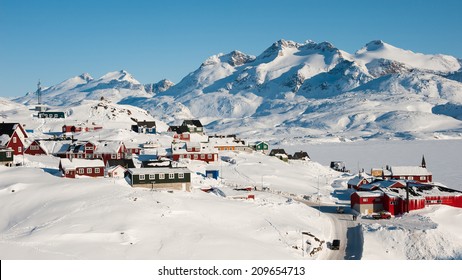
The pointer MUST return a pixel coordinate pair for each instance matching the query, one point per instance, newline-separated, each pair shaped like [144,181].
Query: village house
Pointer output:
[227,143]
[301,156]
[280,154]
[104,150]
[409,173]
[146,127]
[36,148]
[160,178]
[51,115]
[72,168]
[116,168]
[194,151]
[361,179]
[133,148]
[260,146]
[6,156]
[194,126]
[75,129]
[13,135]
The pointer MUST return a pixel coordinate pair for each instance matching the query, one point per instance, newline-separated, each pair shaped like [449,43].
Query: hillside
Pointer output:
[303,90]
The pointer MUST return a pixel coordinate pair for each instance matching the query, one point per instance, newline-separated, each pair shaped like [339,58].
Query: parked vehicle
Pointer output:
[335,244]
[381,215]
[340,210]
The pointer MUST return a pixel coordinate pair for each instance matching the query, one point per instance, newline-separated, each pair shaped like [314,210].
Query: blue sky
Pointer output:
[54,40]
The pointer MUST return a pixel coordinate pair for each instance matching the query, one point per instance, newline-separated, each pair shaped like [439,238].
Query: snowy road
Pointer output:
[346,230]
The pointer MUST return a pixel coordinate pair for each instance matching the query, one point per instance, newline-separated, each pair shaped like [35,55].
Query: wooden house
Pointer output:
[146,127]
[116,171]
[194,151]
[194,126]
[36,148]
[359,180]
[301,156]
[51,115]
[13,135]
[260,146]
[6,156]
[81,167]
[160,178]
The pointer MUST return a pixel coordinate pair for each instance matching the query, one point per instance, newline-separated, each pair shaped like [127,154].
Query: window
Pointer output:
[56,115]
[97,170]
[89,170]
[14,140]
[202,156]
[402,178]
[364,199]
[8,154]
[196,156]
[118,156]
[152,176]
[141,177]
[113,156]
[392,202]
[19,149]
[438,201]
[171,175]
[81,171]
[410,177]
[423,178]
[89,148]
[209,156]
[161,176]
[180,175]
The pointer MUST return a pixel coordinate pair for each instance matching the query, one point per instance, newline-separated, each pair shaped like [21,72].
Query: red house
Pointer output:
[81,167]
[13,135]
[410,173]
[36,148]
[359,180]
[194,151]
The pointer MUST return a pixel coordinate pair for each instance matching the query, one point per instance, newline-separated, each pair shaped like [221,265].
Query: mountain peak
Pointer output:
[375,45]
[86,77]
[120,75]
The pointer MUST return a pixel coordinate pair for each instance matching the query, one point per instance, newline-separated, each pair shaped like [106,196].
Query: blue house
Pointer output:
[212,174]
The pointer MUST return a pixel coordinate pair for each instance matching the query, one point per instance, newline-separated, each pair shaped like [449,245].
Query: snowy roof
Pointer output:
[180,148]
[409,170]
[384,184]
[138,171]
[108,147]
[370,194]
[4,139]
[76,163]
[225,141]
[358,178]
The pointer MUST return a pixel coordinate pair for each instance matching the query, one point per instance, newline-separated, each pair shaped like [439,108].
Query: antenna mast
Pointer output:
[39,93]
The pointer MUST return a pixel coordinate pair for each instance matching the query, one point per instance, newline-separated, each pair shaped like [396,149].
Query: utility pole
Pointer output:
[39,93]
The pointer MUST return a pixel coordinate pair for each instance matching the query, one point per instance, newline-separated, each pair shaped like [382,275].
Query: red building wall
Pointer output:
[35,149]
[200,156]
[17,147]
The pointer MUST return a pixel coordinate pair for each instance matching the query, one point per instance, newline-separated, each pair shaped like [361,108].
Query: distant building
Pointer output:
[194,151]
[194,126]
[51,115]
[147,127]
[301,155]
[260,146]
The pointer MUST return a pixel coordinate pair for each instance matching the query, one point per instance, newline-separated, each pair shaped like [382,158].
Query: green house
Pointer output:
[6,157]
[161,178]
[261,147]
[51,115]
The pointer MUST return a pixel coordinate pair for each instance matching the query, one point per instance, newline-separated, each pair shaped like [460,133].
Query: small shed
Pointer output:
[116,171]
[212,174]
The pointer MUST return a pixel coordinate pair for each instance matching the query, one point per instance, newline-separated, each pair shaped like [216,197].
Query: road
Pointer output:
[346,230]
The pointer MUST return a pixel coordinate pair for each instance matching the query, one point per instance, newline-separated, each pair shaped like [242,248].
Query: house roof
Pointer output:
[369,193]
[77,163]
[409,170]
[196,123]
[301,154]
[277,151]
[358,179]
[205,148]
[148,124]
[138,171]
[155,164]
[127,163]
[9,128]
[108,147]
[40,143]
[383,184]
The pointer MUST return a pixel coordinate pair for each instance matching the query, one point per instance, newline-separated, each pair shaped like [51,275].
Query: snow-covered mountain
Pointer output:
[304,90]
